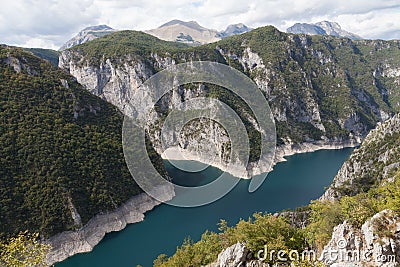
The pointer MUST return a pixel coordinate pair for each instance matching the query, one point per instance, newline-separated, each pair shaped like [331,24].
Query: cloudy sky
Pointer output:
[50,23]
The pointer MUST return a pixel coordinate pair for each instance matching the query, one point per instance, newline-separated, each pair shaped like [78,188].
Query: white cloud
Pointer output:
[373,24]
[41,41]
[49,23]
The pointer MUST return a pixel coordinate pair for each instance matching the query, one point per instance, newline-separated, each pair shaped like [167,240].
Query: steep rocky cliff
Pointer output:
[376,160]
[324,92]
[372,172]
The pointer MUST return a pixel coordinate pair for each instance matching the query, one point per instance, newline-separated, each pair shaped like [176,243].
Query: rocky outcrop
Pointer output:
[69,243]
[19,65]
[374,161]
[233,256]
[377,243]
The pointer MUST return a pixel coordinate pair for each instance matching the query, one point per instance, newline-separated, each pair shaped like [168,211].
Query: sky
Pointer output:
[50,23]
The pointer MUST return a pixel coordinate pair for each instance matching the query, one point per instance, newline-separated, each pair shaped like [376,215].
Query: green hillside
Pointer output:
[47,54]
[60,146]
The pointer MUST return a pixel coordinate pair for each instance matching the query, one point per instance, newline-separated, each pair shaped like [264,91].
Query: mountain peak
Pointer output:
[329,23]
[98,28]
[234,29]
[322,28]
[192,32]
[189,32]
[88,34]
[172,22]
[190,24]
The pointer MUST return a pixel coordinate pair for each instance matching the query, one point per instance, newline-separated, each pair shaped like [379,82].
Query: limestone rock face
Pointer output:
[233,256]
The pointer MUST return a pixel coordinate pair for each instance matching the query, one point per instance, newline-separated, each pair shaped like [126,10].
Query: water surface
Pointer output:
[292,184]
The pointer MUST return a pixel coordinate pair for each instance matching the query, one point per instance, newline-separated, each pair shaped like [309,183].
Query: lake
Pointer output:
[292,184]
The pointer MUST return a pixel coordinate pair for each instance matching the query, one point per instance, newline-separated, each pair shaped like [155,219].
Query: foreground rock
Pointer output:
[233,256]
[377,243]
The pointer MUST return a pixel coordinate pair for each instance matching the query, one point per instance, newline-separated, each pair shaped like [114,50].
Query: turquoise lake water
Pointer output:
[292,184]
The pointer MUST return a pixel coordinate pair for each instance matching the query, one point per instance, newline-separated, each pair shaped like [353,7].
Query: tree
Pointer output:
[23,250]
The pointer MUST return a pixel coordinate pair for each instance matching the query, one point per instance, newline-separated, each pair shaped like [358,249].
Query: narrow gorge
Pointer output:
[324,93]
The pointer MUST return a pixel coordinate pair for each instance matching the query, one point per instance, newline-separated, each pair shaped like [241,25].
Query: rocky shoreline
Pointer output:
[69,243]
[280,153]
[288,150]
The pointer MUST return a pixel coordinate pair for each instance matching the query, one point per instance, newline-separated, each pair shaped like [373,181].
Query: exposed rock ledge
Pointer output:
[69,243]
[291,149]
[174,153]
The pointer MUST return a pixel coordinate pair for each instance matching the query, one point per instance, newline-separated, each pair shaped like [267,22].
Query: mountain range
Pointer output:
[192,33]
[189,32]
